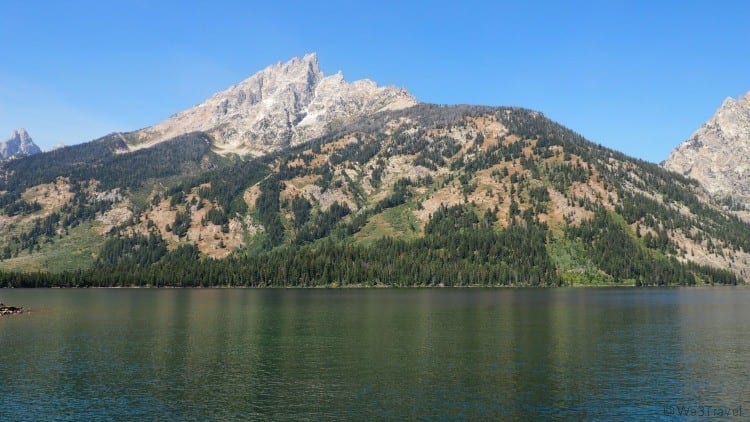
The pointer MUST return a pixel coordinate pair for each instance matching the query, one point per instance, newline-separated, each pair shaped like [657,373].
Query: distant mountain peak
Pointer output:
[282,105]
[21,134]
[19,144]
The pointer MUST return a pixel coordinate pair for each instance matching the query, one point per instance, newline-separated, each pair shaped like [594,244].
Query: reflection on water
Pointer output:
[340,354]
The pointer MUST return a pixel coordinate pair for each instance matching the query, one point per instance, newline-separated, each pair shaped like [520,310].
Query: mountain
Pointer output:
[280,106]
[428,195]
[421,195]
[19,144]
[718,153]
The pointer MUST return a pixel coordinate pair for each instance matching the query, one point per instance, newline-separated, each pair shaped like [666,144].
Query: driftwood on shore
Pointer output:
[9,310]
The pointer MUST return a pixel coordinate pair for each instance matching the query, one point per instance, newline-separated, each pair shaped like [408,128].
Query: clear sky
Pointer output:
[637,76]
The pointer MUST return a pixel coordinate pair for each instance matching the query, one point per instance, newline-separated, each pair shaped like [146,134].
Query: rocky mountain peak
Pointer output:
[282,105]
[718,153]
[19,144]
[21,134]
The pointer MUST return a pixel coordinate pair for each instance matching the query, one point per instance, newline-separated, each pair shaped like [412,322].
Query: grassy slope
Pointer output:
[397,222]
[69,253]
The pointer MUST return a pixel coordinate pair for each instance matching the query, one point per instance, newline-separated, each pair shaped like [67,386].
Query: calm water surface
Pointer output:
[373,354]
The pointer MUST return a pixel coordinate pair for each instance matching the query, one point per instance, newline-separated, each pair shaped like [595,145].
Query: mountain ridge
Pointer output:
[426,177]
[387,195]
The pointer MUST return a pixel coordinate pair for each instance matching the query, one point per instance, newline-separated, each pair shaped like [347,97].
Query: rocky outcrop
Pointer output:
[19,144]
[283,105]
[718,153]
[10,310]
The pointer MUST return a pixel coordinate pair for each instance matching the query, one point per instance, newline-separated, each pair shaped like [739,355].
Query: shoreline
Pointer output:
[377,287]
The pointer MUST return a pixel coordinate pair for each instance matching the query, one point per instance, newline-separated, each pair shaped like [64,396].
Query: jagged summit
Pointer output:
[718,153]
[19,144]
[283,104]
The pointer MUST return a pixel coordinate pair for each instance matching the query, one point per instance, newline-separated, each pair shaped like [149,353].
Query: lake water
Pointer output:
[375,354]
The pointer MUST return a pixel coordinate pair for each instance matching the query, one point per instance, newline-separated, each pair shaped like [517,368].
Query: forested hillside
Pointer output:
[428,196]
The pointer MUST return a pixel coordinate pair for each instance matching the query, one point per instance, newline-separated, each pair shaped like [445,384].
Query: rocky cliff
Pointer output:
[282,105]
[19,144]
[718,153]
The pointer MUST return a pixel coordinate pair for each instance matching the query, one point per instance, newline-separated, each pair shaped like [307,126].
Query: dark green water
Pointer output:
[374,354]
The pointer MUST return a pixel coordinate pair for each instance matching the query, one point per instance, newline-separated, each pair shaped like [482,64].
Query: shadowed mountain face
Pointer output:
[18,145]
[280,106]
[718,153]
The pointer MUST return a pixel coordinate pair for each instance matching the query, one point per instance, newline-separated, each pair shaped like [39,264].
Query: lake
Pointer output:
[600,353]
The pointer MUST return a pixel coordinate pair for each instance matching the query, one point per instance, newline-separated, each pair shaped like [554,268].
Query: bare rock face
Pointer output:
[718,153]
[19,144]
[282,105]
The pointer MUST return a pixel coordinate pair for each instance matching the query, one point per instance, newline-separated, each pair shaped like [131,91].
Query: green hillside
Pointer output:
[426,196]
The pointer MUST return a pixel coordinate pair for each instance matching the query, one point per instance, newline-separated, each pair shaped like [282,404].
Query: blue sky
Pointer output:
[637,76]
